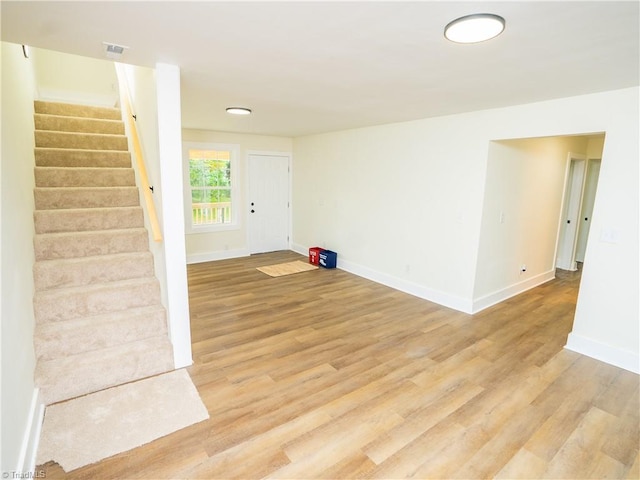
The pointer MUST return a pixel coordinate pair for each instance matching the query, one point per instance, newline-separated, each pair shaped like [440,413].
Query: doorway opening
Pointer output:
[524,236]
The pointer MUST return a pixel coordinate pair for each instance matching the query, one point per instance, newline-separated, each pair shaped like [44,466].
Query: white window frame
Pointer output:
[235,180]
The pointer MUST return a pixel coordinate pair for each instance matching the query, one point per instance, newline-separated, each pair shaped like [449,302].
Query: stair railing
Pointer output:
[137,150]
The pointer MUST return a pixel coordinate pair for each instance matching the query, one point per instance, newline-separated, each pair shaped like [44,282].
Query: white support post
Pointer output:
[170,152]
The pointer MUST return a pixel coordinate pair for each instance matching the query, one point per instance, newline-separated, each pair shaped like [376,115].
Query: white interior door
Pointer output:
[588,199]
[268,203]
[571,211]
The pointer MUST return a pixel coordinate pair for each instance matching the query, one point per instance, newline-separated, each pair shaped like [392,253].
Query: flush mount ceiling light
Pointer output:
[239,110]
[474,28]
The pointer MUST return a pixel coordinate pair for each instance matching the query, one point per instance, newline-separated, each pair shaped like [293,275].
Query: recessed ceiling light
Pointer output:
[239,110]
[474,28]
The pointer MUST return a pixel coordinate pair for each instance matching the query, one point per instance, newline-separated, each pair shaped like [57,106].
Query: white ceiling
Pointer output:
[310,67]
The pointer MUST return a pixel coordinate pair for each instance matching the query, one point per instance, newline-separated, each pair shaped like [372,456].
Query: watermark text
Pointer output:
[27,475]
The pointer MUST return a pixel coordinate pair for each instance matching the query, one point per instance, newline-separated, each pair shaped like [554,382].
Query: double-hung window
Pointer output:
[210,186]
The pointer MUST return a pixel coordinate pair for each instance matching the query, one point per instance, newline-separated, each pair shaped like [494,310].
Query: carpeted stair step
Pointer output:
[64,157]
[51,246]
[77,375]
[64,304]
[60,123]
[61,339]
[88,141]
[85,197]
[84,177]
[71,110]
[86,219]
[75,272]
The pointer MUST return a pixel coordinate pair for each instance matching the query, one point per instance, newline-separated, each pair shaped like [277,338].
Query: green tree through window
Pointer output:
[210,179]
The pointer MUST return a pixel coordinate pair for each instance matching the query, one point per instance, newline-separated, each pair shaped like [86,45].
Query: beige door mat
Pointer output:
[287,268]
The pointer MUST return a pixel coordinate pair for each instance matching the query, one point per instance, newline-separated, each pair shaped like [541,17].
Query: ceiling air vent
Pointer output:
[113,51]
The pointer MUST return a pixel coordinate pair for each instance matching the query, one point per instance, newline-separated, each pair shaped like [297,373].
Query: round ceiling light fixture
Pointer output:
[474,28]
[239,110]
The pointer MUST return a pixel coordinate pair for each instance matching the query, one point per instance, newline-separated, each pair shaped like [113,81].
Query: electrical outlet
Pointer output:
[523,268]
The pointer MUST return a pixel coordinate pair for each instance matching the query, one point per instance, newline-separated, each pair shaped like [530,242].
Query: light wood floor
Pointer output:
[326,375]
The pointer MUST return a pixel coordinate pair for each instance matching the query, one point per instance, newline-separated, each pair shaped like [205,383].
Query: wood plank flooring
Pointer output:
[326,375]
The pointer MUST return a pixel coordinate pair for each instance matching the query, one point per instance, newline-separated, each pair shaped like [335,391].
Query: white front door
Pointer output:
[268,203]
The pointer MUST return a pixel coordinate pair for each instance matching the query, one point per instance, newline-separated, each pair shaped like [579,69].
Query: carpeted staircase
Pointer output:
[99,317]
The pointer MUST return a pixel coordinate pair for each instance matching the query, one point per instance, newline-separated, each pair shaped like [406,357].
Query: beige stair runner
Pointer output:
[99,317]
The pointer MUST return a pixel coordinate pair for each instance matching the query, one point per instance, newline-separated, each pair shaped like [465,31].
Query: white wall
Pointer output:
[521,213]
[17,255]
[402,204]
[203,247]
[69,78]
[607,324]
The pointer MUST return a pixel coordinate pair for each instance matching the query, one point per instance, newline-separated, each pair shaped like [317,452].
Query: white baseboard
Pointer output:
[606,353]
[417,290]
[31,437]
[566,265]
[494,298]
[217,255]
[420,291]
[299,249]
